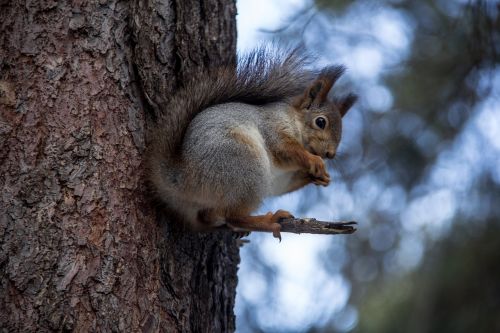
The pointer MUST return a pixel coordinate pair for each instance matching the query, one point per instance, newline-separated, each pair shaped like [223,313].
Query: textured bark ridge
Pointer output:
[81,247]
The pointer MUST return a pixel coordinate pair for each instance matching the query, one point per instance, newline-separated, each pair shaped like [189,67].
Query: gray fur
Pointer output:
[213,148]
[263,76]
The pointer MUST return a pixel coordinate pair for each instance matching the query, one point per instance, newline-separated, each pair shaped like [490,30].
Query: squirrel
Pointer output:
[235,136]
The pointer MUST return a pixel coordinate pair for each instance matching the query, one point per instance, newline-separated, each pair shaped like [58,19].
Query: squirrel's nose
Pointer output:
[330,154]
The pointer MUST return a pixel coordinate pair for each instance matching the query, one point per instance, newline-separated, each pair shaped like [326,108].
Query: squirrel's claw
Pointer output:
[317,171]
[281,214]
[324,181]
[276,218]
[277,234]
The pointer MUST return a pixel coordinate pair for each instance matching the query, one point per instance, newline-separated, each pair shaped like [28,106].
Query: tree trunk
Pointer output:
[82,247]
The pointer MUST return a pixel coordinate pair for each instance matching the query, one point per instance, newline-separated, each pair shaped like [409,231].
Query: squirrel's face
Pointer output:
[322,131]
[322,117]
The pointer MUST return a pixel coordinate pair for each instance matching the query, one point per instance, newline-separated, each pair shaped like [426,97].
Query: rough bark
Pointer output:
[82,248]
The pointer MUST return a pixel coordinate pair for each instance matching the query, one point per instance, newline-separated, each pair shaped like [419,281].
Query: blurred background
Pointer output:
[418,168]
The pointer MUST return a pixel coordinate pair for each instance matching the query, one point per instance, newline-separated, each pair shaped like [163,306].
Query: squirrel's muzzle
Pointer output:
[330,154]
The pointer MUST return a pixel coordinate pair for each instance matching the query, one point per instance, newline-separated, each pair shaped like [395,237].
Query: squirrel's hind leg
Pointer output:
[242,222]
[268,222]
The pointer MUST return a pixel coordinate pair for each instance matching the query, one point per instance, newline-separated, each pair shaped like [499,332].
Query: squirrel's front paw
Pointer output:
[317,171]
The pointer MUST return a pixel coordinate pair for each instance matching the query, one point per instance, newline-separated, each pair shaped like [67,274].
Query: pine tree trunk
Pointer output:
[82,248]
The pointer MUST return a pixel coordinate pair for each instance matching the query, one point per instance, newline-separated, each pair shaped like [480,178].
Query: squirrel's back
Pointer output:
[261,77]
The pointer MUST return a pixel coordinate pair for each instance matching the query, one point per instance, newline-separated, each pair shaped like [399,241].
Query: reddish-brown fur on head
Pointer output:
[317,110]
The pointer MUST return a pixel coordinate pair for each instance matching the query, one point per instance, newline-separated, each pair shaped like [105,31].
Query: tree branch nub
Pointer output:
[313,226]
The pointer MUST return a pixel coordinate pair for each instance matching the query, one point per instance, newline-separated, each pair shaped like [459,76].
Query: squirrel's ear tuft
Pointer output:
[310,96]
[317,92]
[345,103]
[314,90]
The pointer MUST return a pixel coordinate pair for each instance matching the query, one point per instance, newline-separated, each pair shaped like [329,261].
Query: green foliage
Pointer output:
[456,289]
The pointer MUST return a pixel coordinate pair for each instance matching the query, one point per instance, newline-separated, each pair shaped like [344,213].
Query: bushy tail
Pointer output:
[263,76]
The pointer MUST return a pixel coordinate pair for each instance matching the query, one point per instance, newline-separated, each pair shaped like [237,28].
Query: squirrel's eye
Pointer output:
[320,122]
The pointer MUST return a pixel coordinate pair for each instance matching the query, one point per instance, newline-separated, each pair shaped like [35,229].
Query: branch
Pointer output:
[313,226]
[306,226]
